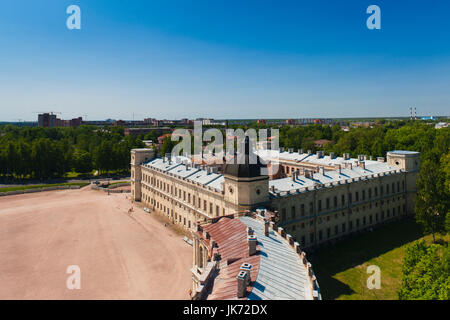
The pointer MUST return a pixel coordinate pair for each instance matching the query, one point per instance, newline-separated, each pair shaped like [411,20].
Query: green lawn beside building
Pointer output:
[341,269]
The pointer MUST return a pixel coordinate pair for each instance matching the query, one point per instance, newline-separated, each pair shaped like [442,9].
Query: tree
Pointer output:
[82,161]
[426,272]
[430,201]
[167,146]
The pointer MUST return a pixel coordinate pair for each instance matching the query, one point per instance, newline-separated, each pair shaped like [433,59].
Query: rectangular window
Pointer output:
[302,208]
[328,203]
[293,212]
[336,230]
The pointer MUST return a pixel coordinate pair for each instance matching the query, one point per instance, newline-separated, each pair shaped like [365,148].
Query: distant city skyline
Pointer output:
[223,60]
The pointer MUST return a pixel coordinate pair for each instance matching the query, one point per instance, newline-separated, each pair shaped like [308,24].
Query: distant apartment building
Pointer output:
[49,120]
[305,121]
[290,122]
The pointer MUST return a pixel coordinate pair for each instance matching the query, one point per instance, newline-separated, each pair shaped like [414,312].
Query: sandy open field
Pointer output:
[120,256]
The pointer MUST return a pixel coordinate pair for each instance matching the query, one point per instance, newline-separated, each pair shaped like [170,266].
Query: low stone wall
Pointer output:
[114,186]
[112,189]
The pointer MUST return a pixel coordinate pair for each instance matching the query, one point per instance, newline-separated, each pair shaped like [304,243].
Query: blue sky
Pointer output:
[223,59]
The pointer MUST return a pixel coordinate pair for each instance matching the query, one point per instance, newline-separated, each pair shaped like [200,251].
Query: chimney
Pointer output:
[206,234]
[322,170]
[246,267]
[332,156]
[241,284]
[294,175]
[318,154]
[362,164]
[380,159]
[250,231]
[266,228]
[252,245]
[272,188]
[281,149]
[300,151]
[309,152]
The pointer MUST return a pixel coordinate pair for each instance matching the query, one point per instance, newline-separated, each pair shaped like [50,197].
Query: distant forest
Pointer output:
[41,153]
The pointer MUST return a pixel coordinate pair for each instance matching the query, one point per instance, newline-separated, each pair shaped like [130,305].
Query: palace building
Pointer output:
[315,198]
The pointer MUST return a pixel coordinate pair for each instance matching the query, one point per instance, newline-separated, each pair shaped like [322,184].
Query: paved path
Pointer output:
[120,257]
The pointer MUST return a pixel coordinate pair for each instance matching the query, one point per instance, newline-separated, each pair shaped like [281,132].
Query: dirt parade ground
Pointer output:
[119,256]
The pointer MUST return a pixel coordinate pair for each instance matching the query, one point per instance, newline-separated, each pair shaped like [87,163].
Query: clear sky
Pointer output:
[224,59]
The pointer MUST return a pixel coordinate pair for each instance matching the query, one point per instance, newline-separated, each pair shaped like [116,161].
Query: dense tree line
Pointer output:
[426,272]
[41,153]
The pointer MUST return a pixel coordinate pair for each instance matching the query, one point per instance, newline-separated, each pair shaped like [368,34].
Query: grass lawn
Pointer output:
[42,186]
[341,269]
